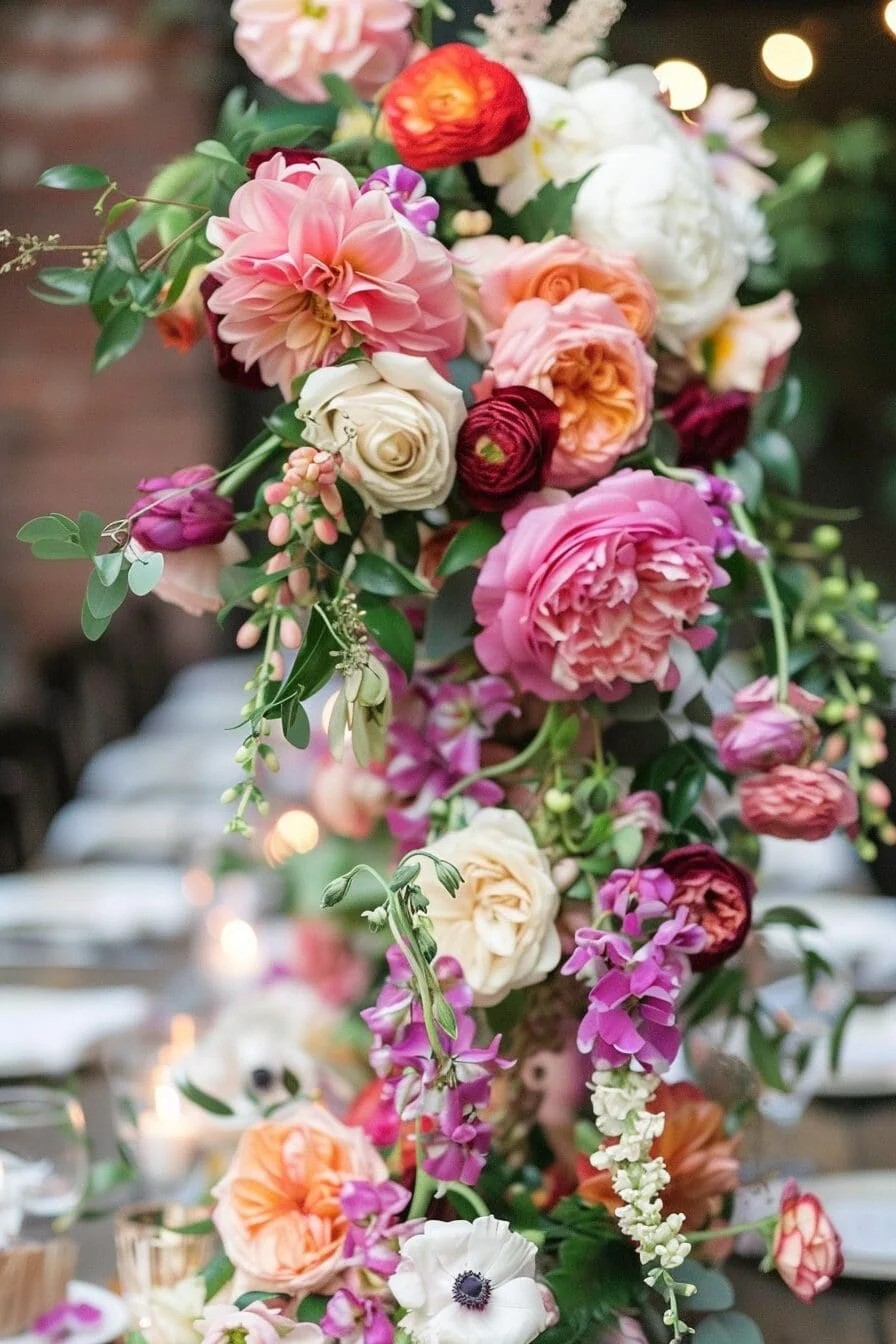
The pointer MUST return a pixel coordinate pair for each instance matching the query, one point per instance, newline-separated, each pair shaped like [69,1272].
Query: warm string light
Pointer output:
[295,832]
[684,84]
[788,58]
[890,16]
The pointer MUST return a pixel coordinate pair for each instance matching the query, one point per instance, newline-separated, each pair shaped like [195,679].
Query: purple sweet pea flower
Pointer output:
[180,511]
[720,494]
[356,1319]
[67,1321]
[407,192]
[371,1241]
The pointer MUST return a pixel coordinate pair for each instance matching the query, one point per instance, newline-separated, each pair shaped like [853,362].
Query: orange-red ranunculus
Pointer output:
[452,105]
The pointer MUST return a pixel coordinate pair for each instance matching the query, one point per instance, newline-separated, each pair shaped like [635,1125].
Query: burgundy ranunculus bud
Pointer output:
[504,447]
[229,367]
[711,426]
[718,895]
[292,156]
[180,511]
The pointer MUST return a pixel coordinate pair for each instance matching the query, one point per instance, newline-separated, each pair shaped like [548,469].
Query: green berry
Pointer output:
[865,651]
[866,592]
[558,802]
[827,538]
[834,589]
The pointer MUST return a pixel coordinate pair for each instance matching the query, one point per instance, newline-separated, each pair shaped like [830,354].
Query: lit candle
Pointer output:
[231,955]
[166,1136]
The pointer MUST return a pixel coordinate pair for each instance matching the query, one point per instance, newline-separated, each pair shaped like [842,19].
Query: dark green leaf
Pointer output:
[283,422]
[200,1228]
[107,281]
[205,1100]
[354,508]
[145,289]
[282,137]
[71,281]
[402,530]
[291,1083]
[376,575]
[746,472]
[449,623]
[104,600]
[313,666]
[312,1308]
[73,177]
[49,527]
[838,1031]
[765,1055]
[778,459]
[720,988]
[392,631]
[121,252]
[258,1295]
[296,724]
[550,212]
[341,93]
[784,403]
[686,795]
[94,627]
[145,572]
[217,1273]
[788,914]
[471,544]
[119,336]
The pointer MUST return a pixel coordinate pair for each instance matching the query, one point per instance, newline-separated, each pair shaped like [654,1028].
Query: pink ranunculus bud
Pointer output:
[181,511]
[763,732]
[643,810]
[806,1249]
[797,802]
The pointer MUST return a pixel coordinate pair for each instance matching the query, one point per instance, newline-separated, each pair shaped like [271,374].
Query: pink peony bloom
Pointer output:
[795,802]
[556,269]
[762,732]
[582,354]
[347,799]
[806,1248]
[311,266]
[584,596]
[290,46]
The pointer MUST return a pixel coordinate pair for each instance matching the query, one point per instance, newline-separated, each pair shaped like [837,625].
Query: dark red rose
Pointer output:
[230,368]
[180,511]
[505,446]
[711,426]
[292,156]
[718,894]
[454,105]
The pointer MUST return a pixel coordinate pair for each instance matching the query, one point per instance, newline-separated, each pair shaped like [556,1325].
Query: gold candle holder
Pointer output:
[153,1255]
[33,1278]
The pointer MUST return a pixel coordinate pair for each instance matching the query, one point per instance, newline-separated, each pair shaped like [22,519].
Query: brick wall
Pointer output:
[84,81]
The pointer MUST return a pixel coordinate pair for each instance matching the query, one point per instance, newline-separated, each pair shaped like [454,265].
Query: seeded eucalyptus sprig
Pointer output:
[404,911]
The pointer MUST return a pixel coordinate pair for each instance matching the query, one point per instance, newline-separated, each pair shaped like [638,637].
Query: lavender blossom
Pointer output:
[407,192]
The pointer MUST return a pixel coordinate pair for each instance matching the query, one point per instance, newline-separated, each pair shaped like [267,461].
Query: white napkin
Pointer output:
[856,934]
[167,829]
[164,763]
[107,903]
[49,1031]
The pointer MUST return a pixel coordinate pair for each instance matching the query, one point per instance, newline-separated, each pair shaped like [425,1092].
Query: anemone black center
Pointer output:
[471,1290]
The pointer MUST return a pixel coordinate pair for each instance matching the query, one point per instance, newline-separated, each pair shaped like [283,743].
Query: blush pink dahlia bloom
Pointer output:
[310,266]
[290,45]
[584,596]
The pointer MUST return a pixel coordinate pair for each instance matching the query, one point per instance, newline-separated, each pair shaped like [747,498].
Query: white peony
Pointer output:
[500,925]
[395,421]
[660,204]
[470,1283]
[570,130]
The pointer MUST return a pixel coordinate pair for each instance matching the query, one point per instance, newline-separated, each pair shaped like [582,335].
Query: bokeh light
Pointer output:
[788,58]
[684,83]
[890,16]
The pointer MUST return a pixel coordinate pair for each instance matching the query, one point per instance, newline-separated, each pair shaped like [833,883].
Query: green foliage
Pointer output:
[203,1099]
[392,630]
[714,1292]
[597,1275]
[117,338]
[259,1295]
[470,544]
[312,1308]
[546,215]
[729,1327]
[313,666]
[385,578]
[73,177]
[449,621]
[217,1273]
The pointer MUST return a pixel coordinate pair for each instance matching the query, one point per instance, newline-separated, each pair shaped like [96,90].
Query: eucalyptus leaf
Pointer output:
[730,1327]
[105,599]
[94,627]
[108,566]
[49,527]
[145,572]
[714,1291]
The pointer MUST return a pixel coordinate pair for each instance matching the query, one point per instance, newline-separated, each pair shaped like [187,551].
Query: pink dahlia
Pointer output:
[584,596]
[291,45]
[311,266]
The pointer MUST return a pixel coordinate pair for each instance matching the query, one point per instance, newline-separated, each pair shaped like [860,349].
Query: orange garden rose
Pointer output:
[452,105]
[278,1209]
[183,324]
[555,269]
[700,1158]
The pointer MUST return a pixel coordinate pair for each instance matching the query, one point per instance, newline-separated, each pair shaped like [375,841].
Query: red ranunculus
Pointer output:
[711,426]
[806,1249]
[452,105]
[718,895]
[504,447]
[229,367]
[292,156]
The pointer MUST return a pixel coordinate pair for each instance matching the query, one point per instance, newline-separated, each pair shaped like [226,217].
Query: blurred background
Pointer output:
[127,84]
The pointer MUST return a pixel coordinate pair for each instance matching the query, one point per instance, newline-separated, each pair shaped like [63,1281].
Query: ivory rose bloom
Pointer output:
[585,596]
[748,351]
[395,421]
[289,46]
[310,266]
[794,802]
[658,203]
[556,269]
[278,1209]
[500,925]
[584,356]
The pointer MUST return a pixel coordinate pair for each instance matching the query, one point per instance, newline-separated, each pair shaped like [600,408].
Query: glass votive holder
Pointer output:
[34,1276]
[153,1256]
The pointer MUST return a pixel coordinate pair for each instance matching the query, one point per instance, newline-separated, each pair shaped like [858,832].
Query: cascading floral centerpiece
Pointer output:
[528,501]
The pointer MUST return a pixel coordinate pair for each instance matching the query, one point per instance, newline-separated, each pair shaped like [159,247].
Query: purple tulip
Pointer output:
[180,511]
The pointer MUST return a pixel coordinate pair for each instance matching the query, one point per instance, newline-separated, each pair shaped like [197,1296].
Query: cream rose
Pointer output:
[659,203]
[395,421]
[500,925]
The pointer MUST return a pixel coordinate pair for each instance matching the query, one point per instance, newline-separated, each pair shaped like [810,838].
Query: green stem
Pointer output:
[515,762]
[230,480]
[734,1229]
[775,606]
[421,981]
[424,1185]
[476,1203]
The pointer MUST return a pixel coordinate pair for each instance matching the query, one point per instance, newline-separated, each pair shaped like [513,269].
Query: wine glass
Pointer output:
[44,1163]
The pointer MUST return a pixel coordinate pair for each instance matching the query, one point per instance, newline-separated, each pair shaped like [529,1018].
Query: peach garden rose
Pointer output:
[582,353]
[278,1209]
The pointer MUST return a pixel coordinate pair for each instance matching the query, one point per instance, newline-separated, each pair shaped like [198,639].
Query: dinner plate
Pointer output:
[101,903]
[52,1031]
[115,1322]
[860,1204]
